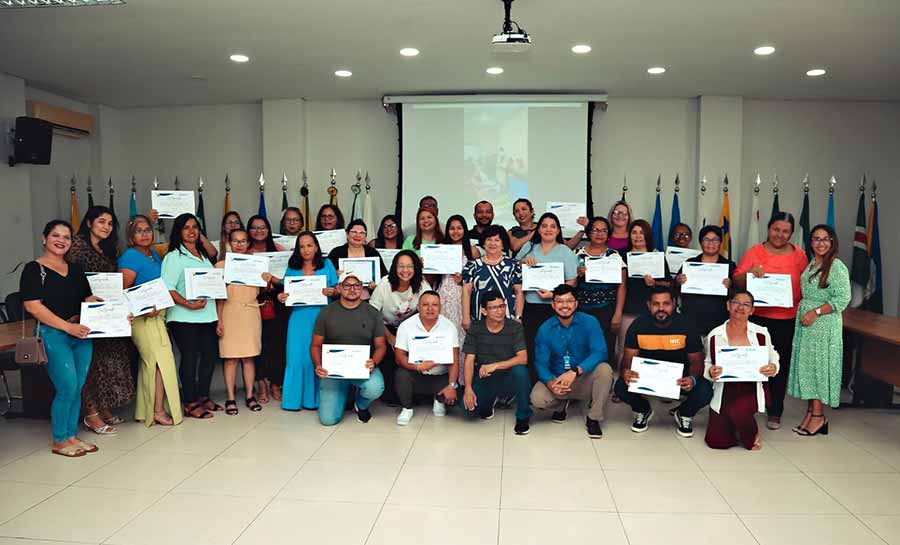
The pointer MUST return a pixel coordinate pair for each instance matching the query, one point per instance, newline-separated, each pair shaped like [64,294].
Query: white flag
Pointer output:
[368,214]
[753,230]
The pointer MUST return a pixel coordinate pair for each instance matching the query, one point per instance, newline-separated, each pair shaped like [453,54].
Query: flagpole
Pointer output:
[675,216]
[73,203]
[160,226]
[284,199]
[701,206]
[262,195]
[304,199]
[656,227]
[226,205]
[112,193]
[332,189]
[725,249]
[624,186]
[132,201]
[201,211]
[355,189]
[829,219]
[367,204]
[875,298]
[90,193]
[753,231]
[804,218]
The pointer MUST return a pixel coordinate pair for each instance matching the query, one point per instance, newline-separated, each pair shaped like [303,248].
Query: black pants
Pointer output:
[199,347]
[604,316]
[699,397]
[408,383]
[388,367]
[782,333]
[534,315]
[271,363]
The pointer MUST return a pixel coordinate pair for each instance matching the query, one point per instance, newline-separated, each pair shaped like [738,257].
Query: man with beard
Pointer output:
[484,217]
[667,336]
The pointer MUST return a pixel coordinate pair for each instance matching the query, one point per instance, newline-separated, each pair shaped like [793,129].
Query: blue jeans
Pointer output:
[516,380]
[68,360]
[333,395]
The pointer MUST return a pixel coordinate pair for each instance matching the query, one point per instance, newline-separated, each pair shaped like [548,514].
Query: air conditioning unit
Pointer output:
[65,122]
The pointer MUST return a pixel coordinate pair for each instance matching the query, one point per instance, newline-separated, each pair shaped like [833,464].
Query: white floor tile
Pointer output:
[343,482]
[830,454]
[453,450]
[767,459]
[886,451]
[685,529]
[775,493]
[130,435]
[564,527]
[476,487]
[144,469]
[252,478]
[660,492]
[281,445]
[659,454]
[468,427]
[209,437]
[42,466]
[560,489]
[16,498]
[531,451]
[19,541]
[286,522]
[363,447]
[384,420]
[809,530]
[886,526]
[866,493]
[415,525]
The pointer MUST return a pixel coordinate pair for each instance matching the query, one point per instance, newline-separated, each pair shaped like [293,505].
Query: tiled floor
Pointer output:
[277,477]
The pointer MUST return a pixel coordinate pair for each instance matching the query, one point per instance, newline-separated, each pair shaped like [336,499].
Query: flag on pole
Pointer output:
[775,206]
[75,218]
[829,220]
[304,194]
[284,200]
[132,201]
[753,230]
[875,295]
[262,196]
[859,269]
[368,213]
[725,224]
[201,212]
[90,194]
[675,216]
[226,206]
[657,219]
[701,204]
[112,203]
[804,224]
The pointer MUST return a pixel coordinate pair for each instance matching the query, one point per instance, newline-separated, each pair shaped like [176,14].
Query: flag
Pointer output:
[859,269]
[753,230]
[701,204]
[262,204]
[201,213]
[725,223]
[875,295]
[284,201]
[90,194]
[775,206]
[112,204]
[132,204]
[804,225]
[368,213]
[829,220]
[675,216]
[73,206]
[657,221]
[226,207]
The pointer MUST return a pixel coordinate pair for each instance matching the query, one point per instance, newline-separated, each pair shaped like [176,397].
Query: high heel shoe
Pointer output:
[105,429]
[823,429]
[797,428]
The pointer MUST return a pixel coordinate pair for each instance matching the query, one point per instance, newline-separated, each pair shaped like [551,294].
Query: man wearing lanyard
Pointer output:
[570,357]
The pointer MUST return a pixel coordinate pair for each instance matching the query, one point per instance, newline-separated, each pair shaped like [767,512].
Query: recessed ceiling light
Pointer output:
[238,57]
[581,49]
[343,73]
[656,70]
[764,50]
[409,51]
[494,70]
[816,72]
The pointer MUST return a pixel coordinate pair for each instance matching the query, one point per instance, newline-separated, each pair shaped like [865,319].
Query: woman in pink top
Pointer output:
[776,256]
[620,216]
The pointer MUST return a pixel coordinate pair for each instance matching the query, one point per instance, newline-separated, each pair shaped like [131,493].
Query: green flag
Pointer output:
[804,224]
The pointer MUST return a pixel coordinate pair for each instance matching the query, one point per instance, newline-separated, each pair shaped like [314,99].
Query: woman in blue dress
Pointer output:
[301,386]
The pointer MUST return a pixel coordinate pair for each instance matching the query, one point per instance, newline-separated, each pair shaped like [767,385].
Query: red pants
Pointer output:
[736,420]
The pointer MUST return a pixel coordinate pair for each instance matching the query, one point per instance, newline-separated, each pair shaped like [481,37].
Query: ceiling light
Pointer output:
[494,70]
[816,72]
[15,4]
[343,73]
[656,70]
[238,57]
[764,50]
[409,51]
[581,49]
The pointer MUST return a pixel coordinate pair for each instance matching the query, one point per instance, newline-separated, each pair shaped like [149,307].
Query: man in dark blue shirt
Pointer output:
[570,357]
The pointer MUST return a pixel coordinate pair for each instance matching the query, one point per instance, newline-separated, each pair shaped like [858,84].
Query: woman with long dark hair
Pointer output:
[329,218]
[291,222]
[109,383]
[603,301]
[428,231]
[449,286]
[390,235]
[818,345]
[191,322]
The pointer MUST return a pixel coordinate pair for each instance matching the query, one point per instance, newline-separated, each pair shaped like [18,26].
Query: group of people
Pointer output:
[536,349]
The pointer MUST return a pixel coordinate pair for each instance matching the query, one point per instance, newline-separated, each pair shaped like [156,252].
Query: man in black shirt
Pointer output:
[484,217]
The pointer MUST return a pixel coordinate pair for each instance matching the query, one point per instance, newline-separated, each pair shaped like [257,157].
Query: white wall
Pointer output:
[15,190]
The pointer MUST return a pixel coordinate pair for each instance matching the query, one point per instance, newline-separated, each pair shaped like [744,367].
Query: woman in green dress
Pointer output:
[816,359]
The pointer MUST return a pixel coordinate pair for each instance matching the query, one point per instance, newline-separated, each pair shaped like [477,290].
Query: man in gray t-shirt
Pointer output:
[350,320]
[497,363]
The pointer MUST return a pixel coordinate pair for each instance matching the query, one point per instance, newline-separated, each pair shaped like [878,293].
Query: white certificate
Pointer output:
[305,290]
[772,290]
[430,347]
[441,258]
[106,319]
[278,262]
[704,278]
[246,269]
[171,204]
[200,283]
[345,360]
[656,377]
[676,256]
[568,214]
[387,255]
[543,276]
[367,269]
[603,269]
[286,241]
[329,240]
[742,363]
[641,264]
[144,297]
[107,286]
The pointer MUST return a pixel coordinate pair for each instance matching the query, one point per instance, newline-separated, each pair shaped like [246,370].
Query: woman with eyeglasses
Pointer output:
[389,235]
[157,384]
[682,235]
[603,301]
[706,311]
[329,218]
[356,247]
[291,222]
[818,346]
[776,256]
[492,272]
[230,221]
[620,216]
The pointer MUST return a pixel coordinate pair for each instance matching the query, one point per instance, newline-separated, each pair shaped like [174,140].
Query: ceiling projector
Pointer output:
[512,38]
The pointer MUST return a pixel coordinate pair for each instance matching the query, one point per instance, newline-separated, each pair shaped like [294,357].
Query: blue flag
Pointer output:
[262,205]
[674,218]
[830,218]
[132,205]
[657,226]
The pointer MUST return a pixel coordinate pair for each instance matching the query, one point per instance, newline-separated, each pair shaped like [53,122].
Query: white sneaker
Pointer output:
[439,409]
[405,416]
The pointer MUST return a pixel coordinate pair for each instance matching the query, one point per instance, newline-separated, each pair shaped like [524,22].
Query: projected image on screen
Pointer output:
[495,151]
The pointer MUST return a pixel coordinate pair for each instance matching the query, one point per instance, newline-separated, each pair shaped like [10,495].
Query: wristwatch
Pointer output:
[818,311]
[578,371]
[454,385]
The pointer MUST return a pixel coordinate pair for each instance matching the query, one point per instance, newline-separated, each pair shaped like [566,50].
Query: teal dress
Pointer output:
[818,350]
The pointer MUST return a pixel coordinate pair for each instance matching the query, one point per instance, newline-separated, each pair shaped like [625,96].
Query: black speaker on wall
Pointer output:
[32,141]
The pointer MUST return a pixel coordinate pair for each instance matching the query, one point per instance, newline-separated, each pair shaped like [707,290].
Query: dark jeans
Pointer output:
[782,333]
[408,383]
[515,381]
[697,398]
[271,363]
[199,347]
[533,317]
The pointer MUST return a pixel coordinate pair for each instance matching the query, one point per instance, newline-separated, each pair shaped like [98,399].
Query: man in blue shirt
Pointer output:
[570,358]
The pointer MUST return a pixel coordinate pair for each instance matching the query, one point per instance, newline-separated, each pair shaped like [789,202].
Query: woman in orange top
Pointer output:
[776,256]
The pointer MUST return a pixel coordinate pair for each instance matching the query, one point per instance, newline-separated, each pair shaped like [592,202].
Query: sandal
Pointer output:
[71,451]
[87,447]
[231,407]
[253,405]
[114,420]
[195,410]
[105,429]
[797,428]
[823,429]
[210,405]
[163,419]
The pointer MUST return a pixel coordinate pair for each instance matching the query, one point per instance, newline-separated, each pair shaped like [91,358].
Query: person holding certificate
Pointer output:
[427,355]
[493,272]
[329,218]
[157,373]
[428,231]
[191,322]
[291,222]
[389,235]
[732,411]
[230,221]
[706,311]
[546,246]
[668,336]
[301,386]
[570,357]
[356,247]
[109,384]
[776,256]
[818,348]
[348,321]
[52,292]
[449,286]
[604,301]
[523,211]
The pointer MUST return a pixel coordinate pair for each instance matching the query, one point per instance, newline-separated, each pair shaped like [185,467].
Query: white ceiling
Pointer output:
[146,52]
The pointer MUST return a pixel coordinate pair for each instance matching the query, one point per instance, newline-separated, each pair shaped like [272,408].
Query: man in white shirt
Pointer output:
[427,354]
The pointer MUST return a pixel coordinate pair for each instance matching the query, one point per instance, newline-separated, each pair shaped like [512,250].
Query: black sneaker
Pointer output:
[593,428]
[522,427]
[641,421]
[363,415]
[684,425]
[560,416]
[489,414]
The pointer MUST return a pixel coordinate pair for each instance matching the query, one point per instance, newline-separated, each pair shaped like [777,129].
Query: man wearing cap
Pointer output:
[349,320]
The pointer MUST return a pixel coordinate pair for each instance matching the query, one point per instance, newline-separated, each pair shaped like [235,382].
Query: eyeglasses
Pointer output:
[390,225]
[233,223]
[292,220]
[710,240]
[143,231]
[741,304]
[358,233]
[259,228]
[681,235]
[240,241]
[353,286]
[619,213]
[599,231]
[328,216]
[491,308]
[817,240]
